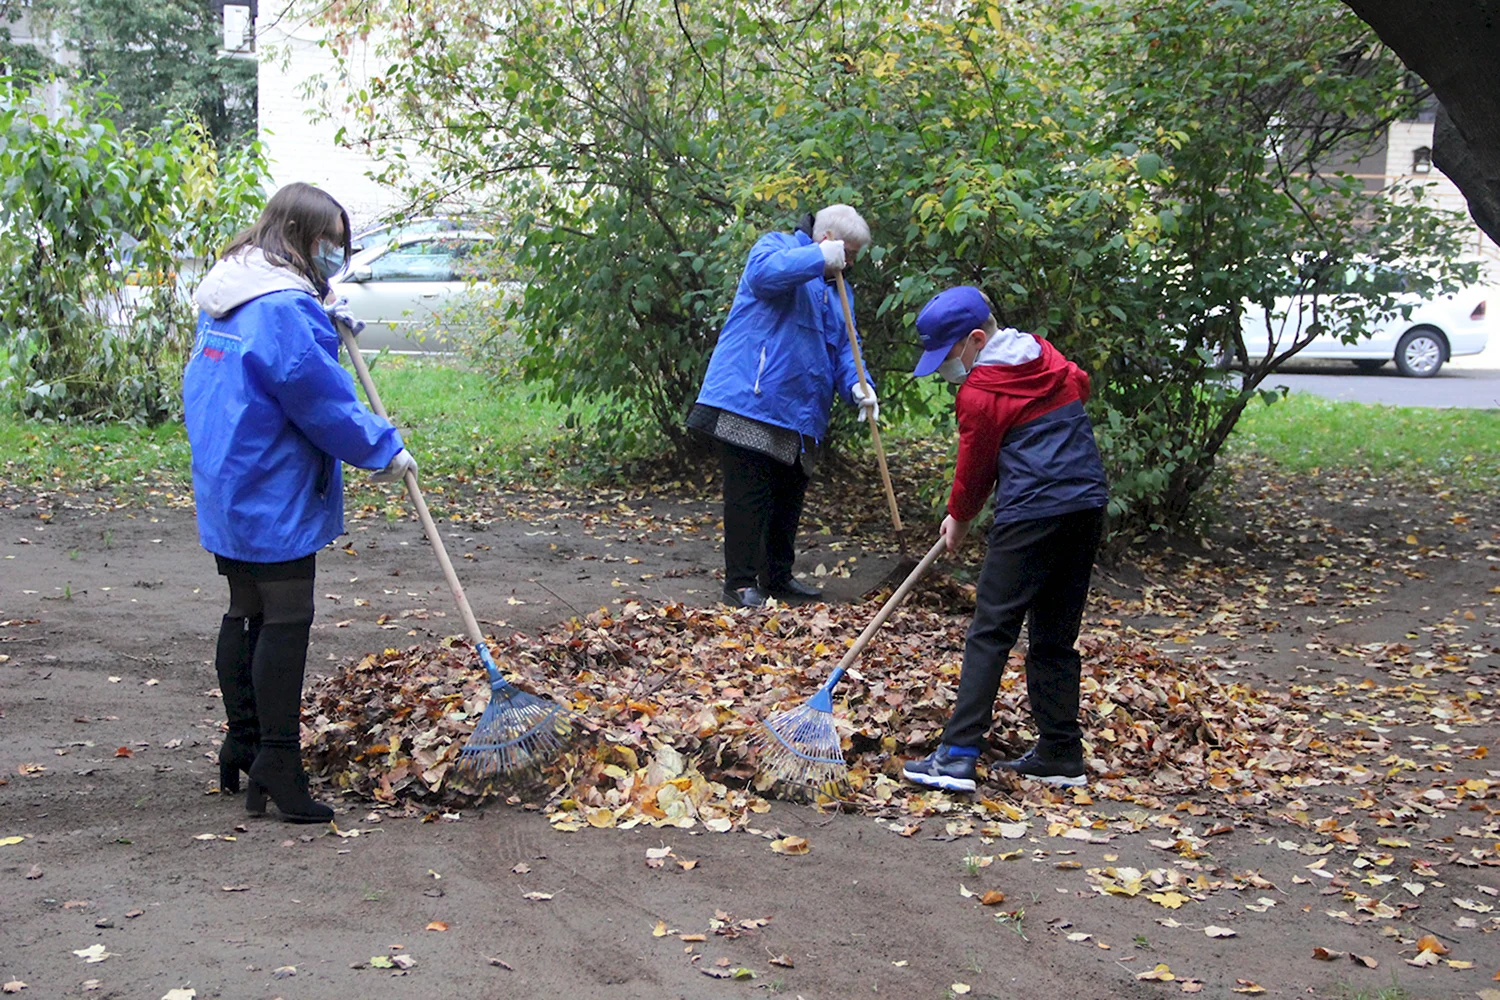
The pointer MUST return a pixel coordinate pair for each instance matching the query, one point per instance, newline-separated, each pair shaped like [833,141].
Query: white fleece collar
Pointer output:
[1009,347]
[247,275]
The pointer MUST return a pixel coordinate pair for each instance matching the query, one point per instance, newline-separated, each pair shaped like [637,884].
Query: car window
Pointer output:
[426,260]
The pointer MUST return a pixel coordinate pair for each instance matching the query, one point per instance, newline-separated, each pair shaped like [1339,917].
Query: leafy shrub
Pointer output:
[102,236]
[1121,180]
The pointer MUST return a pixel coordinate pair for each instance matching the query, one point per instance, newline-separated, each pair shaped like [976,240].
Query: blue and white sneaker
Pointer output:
[950,768]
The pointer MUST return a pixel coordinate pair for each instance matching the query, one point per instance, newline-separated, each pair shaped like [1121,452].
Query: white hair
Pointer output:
[844,223]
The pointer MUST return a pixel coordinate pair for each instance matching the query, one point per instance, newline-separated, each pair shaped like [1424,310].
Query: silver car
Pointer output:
[420,293]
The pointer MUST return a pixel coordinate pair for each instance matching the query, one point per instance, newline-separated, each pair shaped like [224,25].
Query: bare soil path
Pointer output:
[109,722]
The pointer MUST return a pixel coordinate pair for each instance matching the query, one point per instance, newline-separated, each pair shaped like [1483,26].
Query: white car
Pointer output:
[1435,330]
[414,290]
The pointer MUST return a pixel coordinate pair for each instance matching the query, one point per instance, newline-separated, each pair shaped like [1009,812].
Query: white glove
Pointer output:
[340,312]
[864,398]
[399,467]
[833,255]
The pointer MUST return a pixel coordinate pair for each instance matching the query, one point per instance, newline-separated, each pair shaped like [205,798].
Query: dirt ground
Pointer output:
[109,721]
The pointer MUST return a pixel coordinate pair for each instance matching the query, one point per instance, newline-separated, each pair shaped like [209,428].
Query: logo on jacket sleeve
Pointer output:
[214,344]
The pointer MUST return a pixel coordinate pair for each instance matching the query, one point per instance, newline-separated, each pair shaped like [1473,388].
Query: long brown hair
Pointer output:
[290,227]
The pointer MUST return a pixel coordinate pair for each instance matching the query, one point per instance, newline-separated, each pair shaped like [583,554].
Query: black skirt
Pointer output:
[269,572]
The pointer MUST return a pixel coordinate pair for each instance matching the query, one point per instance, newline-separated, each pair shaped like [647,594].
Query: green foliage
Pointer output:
[102,234]
[1121,180]
[161,61]
[1303,434]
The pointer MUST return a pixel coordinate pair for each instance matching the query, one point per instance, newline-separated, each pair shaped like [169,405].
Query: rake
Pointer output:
[800,746]
[517,729]
[903,565]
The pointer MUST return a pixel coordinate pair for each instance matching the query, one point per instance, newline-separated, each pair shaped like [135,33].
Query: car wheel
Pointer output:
[1420,352]
[1369,364]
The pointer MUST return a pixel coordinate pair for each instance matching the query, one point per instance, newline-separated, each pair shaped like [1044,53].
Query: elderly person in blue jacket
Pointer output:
[782,356]
[270,416]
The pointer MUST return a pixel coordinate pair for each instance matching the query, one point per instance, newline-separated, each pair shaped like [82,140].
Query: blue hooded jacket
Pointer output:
[270,414]
[784,350]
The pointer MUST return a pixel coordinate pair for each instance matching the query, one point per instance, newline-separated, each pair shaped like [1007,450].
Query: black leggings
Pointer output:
[281,596]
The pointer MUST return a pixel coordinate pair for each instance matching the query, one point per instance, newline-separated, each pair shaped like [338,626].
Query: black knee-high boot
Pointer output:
[232,659]
[278,666]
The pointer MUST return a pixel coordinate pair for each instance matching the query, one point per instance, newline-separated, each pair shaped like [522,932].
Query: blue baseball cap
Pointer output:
[948,317]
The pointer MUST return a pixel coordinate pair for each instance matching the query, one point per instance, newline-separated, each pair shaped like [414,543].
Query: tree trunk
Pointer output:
[1451,44]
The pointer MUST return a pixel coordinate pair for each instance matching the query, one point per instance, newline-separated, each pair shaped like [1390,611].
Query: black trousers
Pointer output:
[762,507]
[1035,572]
[278,598]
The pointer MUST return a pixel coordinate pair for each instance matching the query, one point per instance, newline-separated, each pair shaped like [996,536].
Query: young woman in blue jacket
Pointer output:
[270,416]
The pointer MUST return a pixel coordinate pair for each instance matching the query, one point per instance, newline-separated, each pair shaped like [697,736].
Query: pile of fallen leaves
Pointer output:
[671,693]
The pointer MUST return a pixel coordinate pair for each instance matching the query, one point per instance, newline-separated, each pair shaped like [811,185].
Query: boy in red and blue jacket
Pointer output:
[1022,432]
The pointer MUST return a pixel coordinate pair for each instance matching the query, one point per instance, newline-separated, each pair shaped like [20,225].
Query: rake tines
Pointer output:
[800,747]
[516,731]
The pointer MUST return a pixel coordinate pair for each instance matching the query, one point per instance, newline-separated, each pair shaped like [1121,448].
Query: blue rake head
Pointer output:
[800,747]
[517,730]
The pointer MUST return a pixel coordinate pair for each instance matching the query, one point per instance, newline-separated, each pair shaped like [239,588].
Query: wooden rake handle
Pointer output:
[886,609]
[859,368]
[471,624]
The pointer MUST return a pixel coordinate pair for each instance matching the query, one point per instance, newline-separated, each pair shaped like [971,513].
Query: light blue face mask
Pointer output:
[328,259]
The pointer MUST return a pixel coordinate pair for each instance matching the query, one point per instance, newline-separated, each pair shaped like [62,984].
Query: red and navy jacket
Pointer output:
[1022,430]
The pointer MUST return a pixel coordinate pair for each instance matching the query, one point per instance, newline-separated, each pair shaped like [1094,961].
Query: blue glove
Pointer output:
[340,312]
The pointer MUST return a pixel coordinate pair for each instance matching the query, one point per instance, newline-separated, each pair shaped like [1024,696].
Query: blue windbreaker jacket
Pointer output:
[784,350]
[270,414]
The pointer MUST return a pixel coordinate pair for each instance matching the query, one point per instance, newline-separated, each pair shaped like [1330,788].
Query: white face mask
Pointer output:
[953,369]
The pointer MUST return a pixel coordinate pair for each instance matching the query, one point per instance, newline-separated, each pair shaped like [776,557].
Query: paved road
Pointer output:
[1469,388]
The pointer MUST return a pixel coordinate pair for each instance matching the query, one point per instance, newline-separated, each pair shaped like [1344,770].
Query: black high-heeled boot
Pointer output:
[279,665]
[235,653]
[277,772]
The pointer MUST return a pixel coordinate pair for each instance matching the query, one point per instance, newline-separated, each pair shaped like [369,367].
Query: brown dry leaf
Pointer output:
[992,897]
[1191,985]
[521,869]
[1324,955]
[124,752]
[1429,942]
[692,938]
[437,925]
[790,845]
[14,986]
[1367,961]
[688,866]
[783,960]
[235,888]
[538,897]
[1219,932]
[35,873]
[1246,986]
[1424,959]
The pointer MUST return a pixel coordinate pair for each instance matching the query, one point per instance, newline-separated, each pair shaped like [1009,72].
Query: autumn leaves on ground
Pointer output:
[1290,790]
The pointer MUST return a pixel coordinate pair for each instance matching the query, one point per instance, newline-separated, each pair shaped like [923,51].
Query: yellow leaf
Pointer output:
[1171,899]
[660,930]
[790,845]
[601,819]
[7,841]
[960,988]
[1160,974]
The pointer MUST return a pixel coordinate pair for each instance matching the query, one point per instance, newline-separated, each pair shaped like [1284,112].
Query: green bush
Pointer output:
[1121,180]
[102,235]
